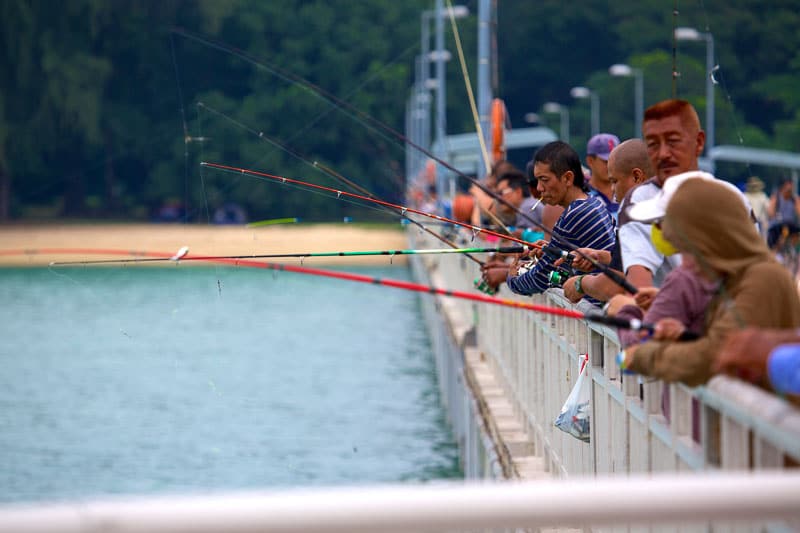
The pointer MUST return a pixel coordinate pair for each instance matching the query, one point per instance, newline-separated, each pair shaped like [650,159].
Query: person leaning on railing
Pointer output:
[706,219]
[585,222]
[766,357]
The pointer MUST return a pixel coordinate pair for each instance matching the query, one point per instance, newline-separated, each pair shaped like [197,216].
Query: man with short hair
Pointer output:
[628,166]
[585,222]
[512,186]
[674,141]
[598,149]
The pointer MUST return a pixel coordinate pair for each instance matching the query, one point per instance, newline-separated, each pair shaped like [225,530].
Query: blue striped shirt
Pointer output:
[584,224]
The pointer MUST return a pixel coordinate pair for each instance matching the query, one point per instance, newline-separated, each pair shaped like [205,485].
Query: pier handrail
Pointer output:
[638,425]
[664,499]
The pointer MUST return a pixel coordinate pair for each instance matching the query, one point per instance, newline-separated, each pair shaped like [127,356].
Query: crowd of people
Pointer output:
[700,255]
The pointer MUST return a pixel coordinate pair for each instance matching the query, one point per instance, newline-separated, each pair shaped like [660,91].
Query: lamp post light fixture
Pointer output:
[622,70]
[585,92]
[691,34]
[439,56]
[554,107]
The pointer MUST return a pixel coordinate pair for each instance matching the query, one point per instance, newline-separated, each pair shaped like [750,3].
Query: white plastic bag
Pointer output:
[574,415]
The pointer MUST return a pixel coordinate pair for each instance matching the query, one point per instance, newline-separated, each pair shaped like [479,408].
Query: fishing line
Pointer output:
[592,316]
[303,255]
[186,137]
[468,84]
[338,194]
[401,139]
[363,118]
[287,76]
[330,172]
[675,72]
[717,77]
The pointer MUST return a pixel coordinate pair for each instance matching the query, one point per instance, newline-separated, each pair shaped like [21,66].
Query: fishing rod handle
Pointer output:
[634,324]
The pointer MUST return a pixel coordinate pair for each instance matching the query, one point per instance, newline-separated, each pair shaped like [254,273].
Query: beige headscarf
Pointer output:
[709,220]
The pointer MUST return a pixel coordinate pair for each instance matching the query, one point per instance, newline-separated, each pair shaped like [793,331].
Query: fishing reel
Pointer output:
[559,275]
[562,272]
[482,285]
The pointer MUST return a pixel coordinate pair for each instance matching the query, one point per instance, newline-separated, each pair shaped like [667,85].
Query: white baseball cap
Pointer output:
[656,207]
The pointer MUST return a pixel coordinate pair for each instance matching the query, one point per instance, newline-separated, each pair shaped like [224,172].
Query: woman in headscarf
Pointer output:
[708,221]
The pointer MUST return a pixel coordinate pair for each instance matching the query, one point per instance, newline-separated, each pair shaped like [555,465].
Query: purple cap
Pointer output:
[601,145]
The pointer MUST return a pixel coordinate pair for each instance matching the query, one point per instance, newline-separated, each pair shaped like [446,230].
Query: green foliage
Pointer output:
[100,109]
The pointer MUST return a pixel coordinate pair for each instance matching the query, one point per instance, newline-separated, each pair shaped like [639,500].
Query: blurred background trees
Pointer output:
[106,112]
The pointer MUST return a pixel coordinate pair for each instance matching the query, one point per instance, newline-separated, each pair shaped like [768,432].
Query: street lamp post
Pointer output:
[440,56]
[691,34]
[584,92]
[553,107]
[626,70]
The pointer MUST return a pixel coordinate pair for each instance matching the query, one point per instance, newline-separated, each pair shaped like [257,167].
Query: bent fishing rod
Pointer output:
[186,257]
[330,172]
[375,123]
[339,194]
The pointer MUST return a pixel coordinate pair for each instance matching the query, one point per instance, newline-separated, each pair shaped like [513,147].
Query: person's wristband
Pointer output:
[579,284]
[620,360]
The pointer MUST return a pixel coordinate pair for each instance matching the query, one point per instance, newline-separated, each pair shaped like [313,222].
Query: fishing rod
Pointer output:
[181,255]
[330,172]
[363,117]
[272,222]
[186,257]
[375,123]
[403,209]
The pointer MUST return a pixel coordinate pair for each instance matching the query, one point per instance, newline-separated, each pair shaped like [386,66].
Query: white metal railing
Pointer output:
[727,424]
[668,499]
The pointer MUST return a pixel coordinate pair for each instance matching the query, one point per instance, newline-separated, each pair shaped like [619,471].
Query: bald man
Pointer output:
[628,166]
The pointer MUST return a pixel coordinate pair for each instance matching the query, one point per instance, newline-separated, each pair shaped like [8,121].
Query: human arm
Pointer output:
[645,296]
[534,281]
[757,354]
[640,260]
[741,305]
[772,206]
[598,286]
[580,261]
[639,276]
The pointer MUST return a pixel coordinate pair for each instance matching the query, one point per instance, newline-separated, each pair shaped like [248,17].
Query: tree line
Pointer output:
[107,108]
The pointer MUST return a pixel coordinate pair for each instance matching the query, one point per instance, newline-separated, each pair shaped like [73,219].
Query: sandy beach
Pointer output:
[41,244]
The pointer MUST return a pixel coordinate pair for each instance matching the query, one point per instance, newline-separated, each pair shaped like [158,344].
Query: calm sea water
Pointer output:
[200,379]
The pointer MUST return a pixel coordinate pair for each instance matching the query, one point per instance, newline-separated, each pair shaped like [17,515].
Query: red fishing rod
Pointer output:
[403,209]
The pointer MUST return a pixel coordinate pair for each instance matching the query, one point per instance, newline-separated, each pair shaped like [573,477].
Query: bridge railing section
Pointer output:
[637,424]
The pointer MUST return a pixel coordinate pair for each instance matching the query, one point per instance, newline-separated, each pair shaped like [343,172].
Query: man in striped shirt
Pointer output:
[585,222]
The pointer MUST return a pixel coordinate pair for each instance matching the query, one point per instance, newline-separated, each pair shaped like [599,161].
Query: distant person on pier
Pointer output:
[759,201]
[512,187]
[784,204]
[585,222]
[485,202]
[598,150]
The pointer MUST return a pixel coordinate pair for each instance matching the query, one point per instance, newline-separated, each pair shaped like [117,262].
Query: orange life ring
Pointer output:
[498,130]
